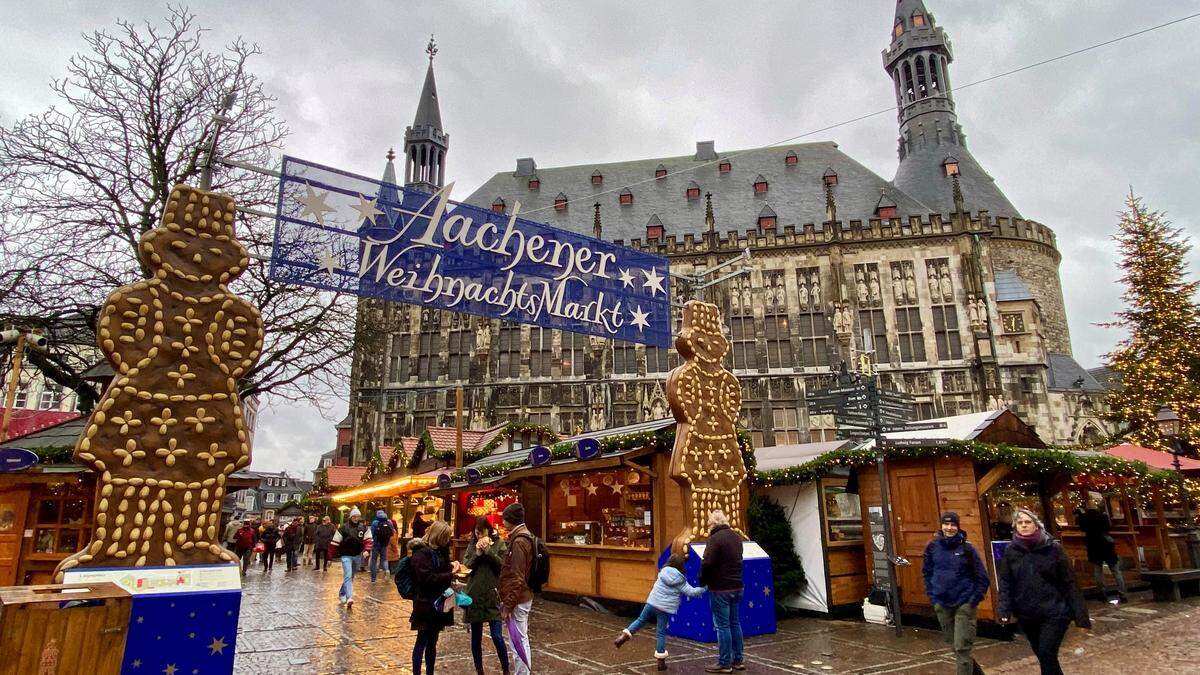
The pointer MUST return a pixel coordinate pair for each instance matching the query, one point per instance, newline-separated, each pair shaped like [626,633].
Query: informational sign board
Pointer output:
[879,557]
[142,580]
[342,232]
[16,459]
[757,610]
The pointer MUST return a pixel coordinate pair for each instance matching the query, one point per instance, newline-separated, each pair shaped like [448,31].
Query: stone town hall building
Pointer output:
[957,292]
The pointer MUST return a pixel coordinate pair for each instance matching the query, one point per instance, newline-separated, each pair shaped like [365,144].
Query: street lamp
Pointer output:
[1169,427]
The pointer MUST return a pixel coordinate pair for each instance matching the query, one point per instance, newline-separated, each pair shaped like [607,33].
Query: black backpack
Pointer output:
[539,567]
[404,578]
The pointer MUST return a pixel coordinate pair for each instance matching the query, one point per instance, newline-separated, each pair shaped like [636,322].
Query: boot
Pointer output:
[661,660]
[624,637]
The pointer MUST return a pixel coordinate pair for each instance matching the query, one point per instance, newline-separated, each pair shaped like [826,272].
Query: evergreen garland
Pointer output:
[769,528]
[511,429]
[1159,363]
[374,468]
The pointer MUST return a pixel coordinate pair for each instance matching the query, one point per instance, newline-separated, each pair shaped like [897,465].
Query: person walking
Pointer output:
[231,531]
[721,572]
[393,550]
[1101,549]
[484,557]
[309,541]
[516,598]
[662,604]
[955,581]
[270,539]
[381,535]
[321,541]
[243,542]
[1038,589]
[293,535]
[432,573]
[350,539]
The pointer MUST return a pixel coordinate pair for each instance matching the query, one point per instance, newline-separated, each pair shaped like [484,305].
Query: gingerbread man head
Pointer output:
[702,338]
[195,242]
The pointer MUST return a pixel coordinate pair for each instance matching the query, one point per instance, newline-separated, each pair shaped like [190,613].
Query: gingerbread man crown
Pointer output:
[201,212]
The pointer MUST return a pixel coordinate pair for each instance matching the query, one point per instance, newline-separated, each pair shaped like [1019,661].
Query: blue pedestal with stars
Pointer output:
[183,620]
[757,611]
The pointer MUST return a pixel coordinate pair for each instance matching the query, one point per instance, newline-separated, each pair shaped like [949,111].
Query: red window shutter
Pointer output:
[597,179]
[724,167]
[560,204]
[693,193]
[660,173]
[626,199]
[887,212]
[535,184]
[760,188]
[766,223]
[791,160]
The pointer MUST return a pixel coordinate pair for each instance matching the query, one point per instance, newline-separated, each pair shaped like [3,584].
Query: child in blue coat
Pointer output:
[662,604]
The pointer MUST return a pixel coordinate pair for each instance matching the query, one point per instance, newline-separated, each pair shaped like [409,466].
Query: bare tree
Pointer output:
[82,181]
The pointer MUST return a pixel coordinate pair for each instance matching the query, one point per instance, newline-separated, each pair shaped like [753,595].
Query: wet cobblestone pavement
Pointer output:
[291,623]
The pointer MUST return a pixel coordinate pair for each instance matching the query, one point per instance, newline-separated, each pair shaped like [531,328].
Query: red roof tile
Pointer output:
[342,476]
[1154,458]
[26,421]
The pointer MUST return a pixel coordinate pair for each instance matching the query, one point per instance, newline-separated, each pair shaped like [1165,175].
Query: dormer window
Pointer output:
[654,229]
[791,159]
[898,29]
[660,172]
[829,177]
[693,191]
[767,219]
[885,208]
[597,177]
[498,205]
[918,19]
[950,166]
[724,166]
[560,202]
[760,185]
[626,197]
[534,183]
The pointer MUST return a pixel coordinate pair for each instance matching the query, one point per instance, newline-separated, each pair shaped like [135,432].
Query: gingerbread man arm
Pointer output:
[731,395]
[235,337]
[129,315]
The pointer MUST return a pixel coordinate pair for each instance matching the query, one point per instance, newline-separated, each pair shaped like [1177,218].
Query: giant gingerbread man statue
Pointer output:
[170,429]
[705,400]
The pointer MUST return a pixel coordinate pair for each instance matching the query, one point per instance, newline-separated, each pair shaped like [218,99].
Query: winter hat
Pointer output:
[381,514]
[355,512]
[950,517]
[514,513]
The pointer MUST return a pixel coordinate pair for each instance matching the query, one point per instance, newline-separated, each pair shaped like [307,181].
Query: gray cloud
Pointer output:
[606,81]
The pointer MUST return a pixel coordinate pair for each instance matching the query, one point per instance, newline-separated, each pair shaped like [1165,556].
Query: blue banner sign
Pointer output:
[16,459]
[347,233]
[539,455]
[587,448]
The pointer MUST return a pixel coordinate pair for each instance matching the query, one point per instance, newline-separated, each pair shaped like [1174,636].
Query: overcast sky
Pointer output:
[572,83]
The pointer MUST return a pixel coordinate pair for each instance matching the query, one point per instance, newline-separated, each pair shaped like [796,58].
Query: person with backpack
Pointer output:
[484,557]
[243,543]
[270,540]
[350,540]
[955,581]
[381,535]
[662,604]
[321,543]
[1037,587]
[432,573]
[516,596]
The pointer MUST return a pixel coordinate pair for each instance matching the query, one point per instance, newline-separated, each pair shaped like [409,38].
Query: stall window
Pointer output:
[843,513]
[1002,500]
[489,503]
[63,519]
[601,508]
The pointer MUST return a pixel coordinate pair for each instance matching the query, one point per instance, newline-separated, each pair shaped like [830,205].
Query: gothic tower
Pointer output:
[932,146]
[425,144]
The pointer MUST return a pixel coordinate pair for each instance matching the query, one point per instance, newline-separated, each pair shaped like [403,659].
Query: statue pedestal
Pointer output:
[183,618]
[757,611]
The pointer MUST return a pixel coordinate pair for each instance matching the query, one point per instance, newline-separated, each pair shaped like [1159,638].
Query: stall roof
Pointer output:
[391,486]
[783,456]
[63,432]
[958,427]
[1155,459]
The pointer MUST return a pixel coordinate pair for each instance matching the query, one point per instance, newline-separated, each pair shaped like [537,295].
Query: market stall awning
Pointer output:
[392,486]
[1155,459]
[781,456]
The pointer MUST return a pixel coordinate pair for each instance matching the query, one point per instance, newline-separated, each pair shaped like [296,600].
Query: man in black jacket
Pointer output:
[721,571]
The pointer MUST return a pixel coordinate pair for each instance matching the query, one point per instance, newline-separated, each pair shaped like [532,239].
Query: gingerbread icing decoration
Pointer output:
[705,399]
[170,428]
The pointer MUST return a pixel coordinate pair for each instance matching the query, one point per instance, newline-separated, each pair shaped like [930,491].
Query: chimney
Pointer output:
[525,166]
[706,150]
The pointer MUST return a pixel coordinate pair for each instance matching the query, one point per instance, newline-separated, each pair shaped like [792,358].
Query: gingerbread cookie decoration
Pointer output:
[170,428]
[705,399]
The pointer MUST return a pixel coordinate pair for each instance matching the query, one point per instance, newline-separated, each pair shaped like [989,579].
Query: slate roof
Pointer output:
[1066,373]
[428,112]
[1107,377]
[921,176]
[1010,287]
[796,193]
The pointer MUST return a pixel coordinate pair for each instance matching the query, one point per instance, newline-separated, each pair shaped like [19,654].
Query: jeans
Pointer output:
[268,558]
[291,558]
[725,606]
[426,646]
[520,615]
[349,562]
[247,557]
[322,555]
[1098,575]
[1046,637]
[378,554]
[661,619]
[494,627]
[958,627]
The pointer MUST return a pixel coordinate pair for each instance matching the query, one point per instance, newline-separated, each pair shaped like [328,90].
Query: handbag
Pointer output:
[279,544]
[259,547]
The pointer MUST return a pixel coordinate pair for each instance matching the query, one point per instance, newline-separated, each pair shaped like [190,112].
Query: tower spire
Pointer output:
[425,142]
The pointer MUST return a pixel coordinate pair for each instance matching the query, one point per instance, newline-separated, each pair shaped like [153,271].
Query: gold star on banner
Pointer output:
[170,669]
[592,489]
[217,647]
[366,209]
[314,205]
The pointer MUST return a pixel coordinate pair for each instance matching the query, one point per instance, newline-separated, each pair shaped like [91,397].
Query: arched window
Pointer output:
[896,82]
[922,91]
[898,29]
[918,19]
[626,197]
[945,75]
[908,83]
[935,76]
[498,205]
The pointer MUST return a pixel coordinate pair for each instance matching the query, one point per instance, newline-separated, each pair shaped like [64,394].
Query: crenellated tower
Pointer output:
[425,143]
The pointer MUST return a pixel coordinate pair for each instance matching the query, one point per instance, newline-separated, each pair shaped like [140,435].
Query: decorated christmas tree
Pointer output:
[1159,362]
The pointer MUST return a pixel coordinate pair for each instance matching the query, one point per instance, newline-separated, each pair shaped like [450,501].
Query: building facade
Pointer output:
[935,274]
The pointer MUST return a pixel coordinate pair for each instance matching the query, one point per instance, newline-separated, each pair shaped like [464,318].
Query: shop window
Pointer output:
[843,511]
[1009,494]
[488,503]
[601,508]
[63,519]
